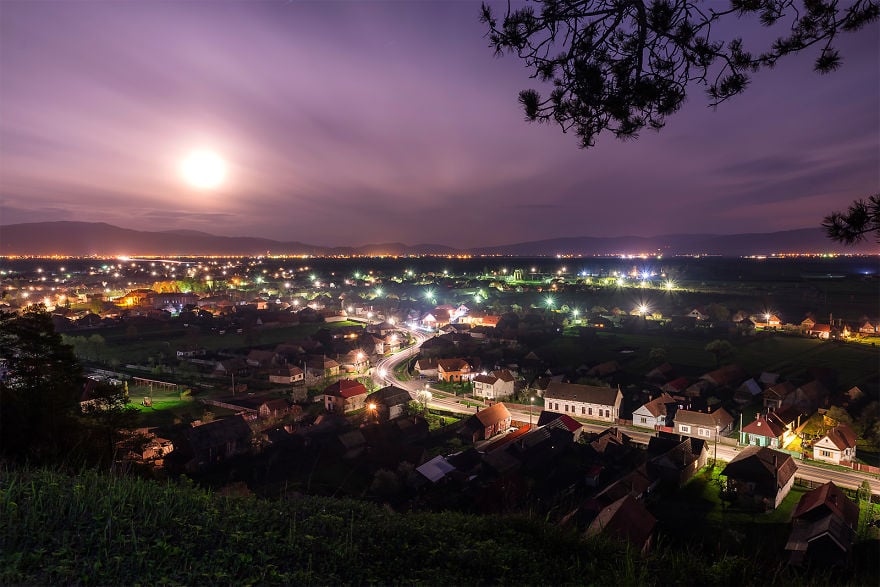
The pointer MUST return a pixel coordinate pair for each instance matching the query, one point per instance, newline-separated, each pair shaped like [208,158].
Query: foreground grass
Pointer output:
[94,529]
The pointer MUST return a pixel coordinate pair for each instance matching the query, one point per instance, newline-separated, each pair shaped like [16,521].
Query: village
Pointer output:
[498,394]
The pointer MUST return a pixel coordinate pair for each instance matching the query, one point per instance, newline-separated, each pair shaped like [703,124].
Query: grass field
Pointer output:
[790,356]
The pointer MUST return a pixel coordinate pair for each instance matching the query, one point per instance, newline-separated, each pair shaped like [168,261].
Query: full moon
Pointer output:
[203,169]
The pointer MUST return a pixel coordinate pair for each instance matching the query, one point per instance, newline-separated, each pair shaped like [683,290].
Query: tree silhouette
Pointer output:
[39,395]
[860,220]
[623,65]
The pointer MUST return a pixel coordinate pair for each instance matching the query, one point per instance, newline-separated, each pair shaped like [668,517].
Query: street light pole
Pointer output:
[531,401]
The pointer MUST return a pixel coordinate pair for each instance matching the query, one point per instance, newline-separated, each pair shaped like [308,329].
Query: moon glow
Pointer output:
[203,170]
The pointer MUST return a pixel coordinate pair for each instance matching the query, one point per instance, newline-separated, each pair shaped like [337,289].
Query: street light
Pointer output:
[715,464]
[531,401]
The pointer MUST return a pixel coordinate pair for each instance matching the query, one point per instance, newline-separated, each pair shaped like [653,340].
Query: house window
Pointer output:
[644,420]
[684,429]
[591,411]
[566,407]
[583,410]
[607,413]
[703,432]
[557,405]
[825,453]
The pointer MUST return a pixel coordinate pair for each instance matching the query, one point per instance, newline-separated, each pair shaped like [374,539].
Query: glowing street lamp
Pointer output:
[531,401]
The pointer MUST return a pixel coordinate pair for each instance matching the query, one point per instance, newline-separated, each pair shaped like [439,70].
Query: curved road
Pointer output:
[383,374]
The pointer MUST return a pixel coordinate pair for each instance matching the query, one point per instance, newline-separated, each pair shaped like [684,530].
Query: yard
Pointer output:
[697,514]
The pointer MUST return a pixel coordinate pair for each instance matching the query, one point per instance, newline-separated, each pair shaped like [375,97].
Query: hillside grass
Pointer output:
[91,528]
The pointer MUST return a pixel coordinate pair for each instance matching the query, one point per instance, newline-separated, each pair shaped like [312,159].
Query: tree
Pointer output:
[623,65]
[39,398]
[719,348]
[106,414]
[860,220]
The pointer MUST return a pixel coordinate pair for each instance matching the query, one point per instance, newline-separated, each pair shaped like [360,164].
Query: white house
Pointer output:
[657,412]
[702,424]
[291,375]
[583,401]
[838,444]
[495,385]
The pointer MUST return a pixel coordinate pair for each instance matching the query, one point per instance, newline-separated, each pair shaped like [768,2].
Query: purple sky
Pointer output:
[346,123]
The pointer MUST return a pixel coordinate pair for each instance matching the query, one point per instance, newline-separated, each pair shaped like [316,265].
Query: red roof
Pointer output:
[768,426]
[842,436]
[830,496]
[346,388]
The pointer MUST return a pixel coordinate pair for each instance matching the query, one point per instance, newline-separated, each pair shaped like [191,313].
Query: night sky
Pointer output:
[346,123]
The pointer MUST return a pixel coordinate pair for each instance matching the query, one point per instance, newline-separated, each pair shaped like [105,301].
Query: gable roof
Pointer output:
[719,418]
[345,388]
[591,394]
[453,365]
[841,436]
[492,415]
[769,426]
[759,463]
[625,519]
[831,498]
[657,406]
[391,396]
[726,375]
[218,433]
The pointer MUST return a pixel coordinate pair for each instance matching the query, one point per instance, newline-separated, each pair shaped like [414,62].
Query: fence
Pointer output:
[862,468]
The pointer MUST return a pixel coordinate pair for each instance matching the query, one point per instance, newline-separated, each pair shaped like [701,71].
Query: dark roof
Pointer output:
[453,364]
[604,396]
[391,396]
[827,498]
[842,436]
[719,418]
[626,519]
[218,433]
[657,406]
[761,464]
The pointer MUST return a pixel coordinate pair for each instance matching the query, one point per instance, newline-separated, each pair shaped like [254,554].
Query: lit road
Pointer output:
[383,374]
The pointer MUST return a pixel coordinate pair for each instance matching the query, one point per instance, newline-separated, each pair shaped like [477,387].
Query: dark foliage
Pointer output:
[860,220]
[40,389]
[623,65]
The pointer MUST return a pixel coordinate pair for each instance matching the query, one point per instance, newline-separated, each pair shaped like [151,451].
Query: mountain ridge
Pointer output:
[102,239]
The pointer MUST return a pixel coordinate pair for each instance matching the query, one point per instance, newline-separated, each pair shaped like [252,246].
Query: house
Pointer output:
[726,376]
[868,328]
[273,408]
[676,386]
[258,358]
[345,395]
[767,430]
[322,367]
[676,465]
[604,369]
[776,396]
[390,402]
[586,401]
[660,373]
[657,413]
[702,424]
[486,423]
[287,375]
[761,476]
[838,445]
[354,361]
[626,520]
[809,397]
[696,314]
[561,421]
[497,384]
[454,370]
[215,441]
[824,525]
[427,368]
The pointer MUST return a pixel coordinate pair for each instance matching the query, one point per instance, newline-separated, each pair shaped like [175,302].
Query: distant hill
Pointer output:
[99,238]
